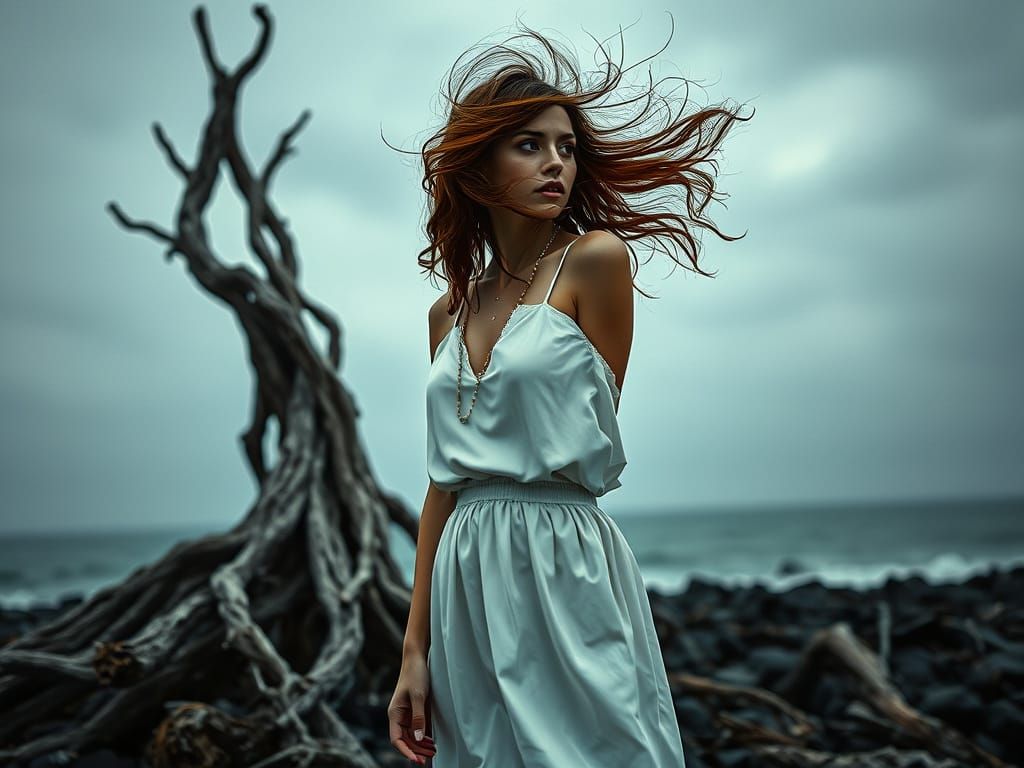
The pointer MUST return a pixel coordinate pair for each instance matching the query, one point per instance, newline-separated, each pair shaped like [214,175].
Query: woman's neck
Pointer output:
[518,248]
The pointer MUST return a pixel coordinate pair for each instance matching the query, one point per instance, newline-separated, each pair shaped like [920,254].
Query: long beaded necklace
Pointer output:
[487,362]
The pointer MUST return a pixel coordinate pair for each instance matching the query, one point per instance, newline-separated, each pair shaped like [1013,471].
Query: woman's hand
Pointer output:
[409,712]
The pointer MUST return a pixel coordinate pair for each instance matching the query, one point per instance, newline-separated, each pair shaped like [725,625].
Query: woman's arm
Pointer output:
[437,506]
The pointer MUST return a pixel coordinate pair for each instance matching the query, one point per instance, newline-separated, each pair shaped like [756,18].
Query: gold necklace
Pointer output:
[464,351]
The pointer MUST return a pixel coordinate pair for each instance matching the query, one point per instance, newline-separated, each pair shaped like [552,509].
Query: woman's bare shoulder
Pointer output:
[438,311]
[602,243]
[439,322]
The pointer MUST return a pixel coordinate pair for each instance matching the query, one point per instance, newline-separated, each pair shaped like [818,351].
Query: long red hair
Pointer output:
[611,165]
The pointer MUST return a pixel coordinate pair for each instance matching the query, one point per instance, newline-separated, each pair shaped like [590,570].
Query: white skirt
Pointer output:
[543,651]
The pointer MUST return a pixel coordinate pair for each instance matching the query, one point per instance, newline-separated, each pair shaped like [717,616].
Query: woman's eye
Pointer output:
[572,147]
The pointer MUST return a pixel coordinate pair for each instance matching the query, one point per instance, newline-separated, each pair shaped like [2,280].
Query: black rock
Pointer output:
[984,679]
[1006,585]
[912,627]
[789,566]
[721,615]
[730,644]
[911,589]
[736,674]
[698,590]
[996,748]
[966,598]
[694,719]
[829,697]
[1010,666]
[771,663]
[955,704]
[104,758]
[913,668]
[811,604]
[736,758]
[1005,722]
[693,758]
[983,581]
[69,601]
[995,641]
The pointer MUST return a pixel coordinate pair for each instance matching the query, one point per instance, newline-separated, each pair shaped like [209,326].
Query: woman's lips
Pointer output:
[554,194]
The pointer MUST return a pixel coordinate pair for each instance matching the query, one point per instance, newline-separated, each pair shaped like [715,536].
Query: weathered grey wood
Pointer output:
[838,644]
[772,724]
[270,618]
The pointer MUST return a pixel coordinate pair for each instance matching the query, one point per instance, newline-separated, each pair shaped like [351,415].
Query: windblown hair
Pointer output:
[612,165]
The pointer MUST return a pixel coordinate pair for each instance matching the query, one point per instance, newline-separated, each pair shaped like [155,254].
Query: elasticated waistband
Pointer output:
[539,490]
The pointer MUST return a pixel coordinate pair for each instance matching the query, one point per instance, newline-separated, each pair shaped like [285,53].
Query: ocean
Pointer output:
[852,545]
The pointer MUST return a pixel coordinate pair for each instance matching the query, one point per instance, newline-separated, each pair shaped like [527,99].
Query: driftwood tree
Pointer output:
[240,648]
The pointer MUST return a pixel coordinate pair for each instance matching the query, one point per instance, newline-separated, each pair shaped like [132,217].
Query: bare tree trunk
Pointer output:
[231,649]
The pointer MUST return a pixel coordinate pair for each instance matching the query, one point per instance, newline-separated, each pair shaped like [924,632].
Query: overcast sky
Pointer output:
[862,342]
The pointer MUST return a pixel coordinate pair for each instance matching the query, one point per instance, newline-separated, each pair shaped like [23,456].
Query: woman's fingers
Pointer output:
[419,720]
[408,717]
[424,748]
[397,736]
[425,745]
[402,739]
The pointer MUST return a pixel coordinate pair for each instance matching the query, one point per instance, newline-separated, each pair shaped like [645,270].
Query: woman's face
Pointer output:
[541,151]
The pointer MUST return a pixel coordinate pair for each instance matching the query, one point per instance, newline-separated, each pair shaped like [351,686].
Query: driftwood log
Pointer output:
[235,649]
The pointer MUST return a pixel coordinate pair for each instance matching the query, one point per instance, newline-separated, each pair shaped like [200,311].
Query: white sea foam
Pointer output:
[944,568]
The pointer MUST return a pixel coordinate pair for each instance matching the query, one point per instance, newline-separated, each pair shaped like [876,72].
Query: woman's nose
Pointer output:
[555,163]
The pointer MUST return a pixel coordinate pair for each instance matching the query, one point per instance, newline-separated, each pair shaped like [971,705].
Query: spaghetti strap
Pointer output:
[557,270]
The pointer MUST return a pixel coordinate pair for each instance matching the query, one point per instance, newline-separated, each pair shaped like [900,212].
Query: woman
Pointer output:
[530,639]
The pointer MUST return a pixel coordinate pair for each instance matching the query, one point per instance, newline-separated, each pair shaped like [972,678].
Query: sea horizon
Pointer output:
[858,544]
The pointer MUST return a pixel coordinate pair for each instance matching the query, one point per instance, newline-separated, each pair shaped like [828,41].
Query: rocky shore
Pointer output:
[904,674]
